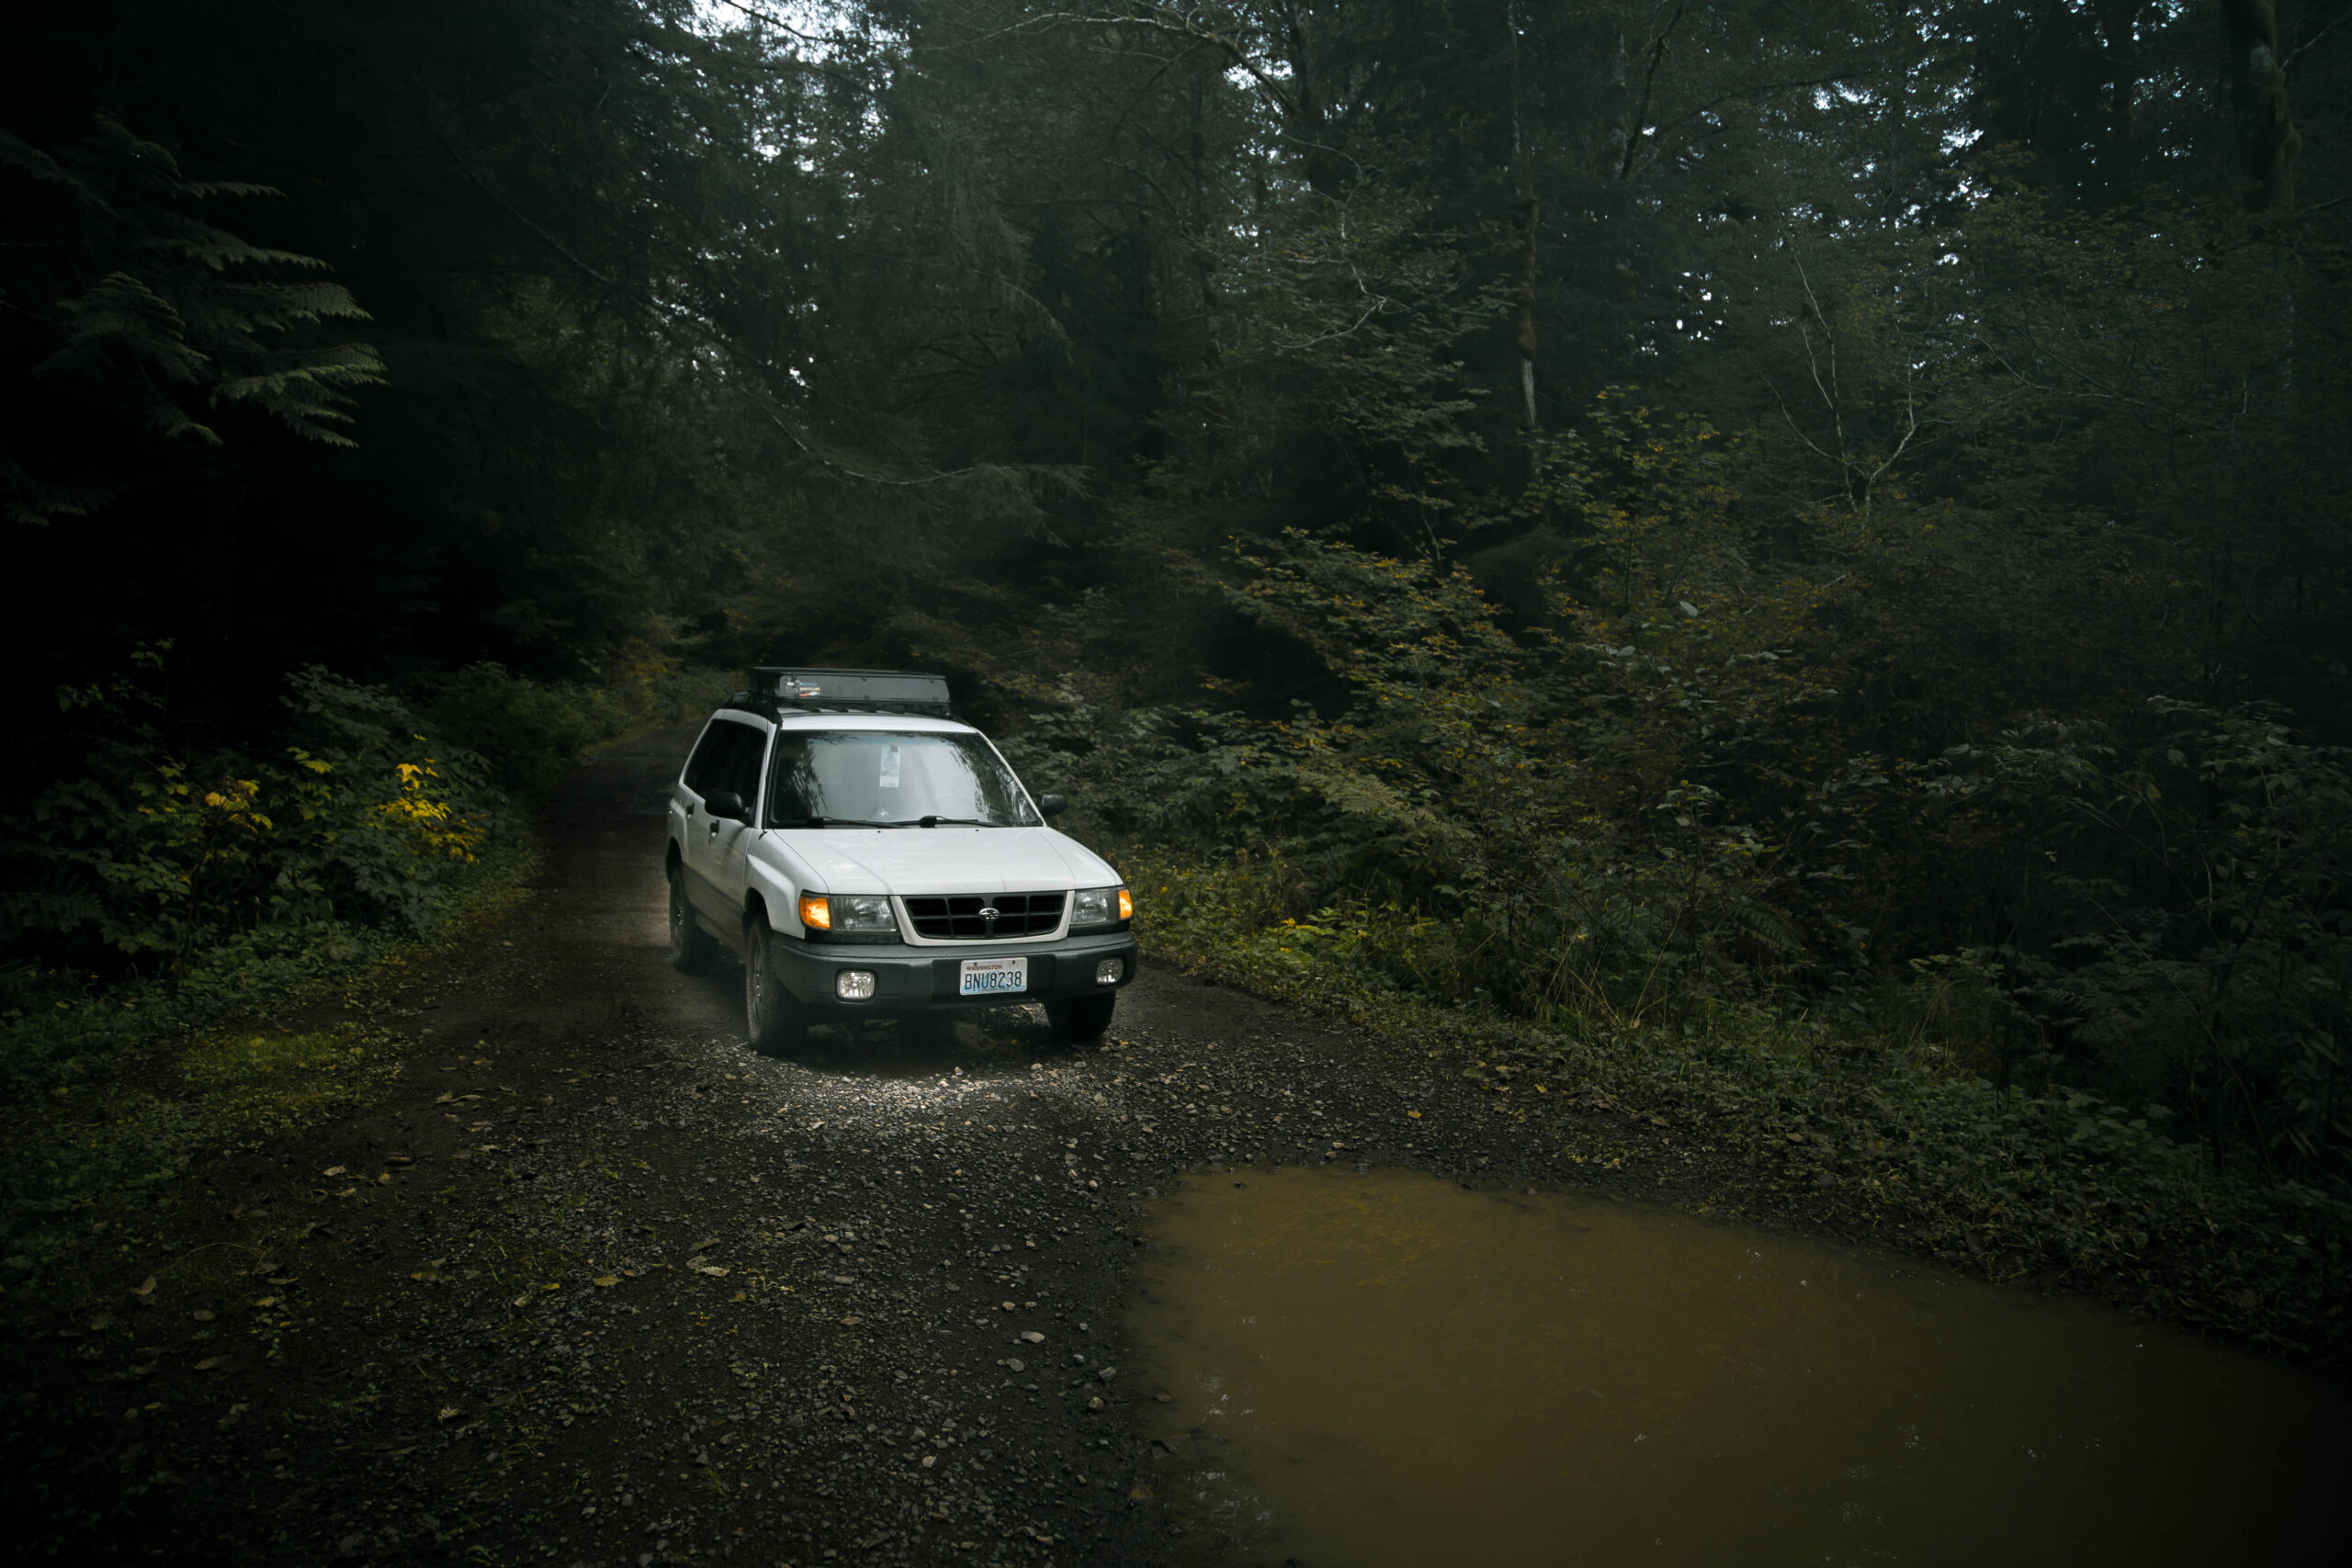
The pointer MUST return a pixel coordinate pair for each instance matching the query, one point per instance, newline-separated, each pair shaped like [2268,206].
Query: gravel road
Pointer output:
[595,1284]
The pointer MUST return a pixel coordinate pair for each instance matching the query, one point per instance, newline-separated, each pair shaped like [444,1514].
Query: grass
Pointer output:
[1846,1125]
[91,1163]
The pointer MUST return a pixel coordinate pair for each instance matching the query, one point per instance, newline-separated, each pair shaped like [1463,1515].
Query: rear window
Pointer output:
[870,778]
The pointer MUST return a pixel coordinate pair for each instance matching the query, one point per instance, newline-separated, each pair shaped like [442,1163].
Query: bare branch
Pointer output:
[1635,132]
[819,67]
[1165,20]
[1829,394]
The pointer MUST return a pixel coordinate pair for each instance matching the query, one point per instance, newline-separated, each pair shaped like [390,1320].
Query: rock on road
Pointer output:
[595,1284]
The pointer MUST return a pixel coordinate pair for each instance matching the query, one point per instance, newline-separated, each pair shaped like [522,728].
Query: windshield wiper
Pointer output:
[842,822]
[952,822]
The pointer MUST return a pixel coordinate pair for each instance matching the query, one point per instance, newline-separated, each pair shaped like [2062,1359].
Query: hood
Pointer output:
[948,859]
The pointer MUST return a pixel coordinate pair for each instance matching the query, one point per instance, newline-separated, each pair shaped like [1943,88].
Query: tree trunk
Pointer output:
[2267,140]
[1530,212]
[2117,22]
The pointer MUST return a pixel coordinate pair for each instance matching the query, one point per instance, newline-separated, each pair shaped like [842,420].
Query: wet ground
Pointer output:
[597,1285]
[1387,1368]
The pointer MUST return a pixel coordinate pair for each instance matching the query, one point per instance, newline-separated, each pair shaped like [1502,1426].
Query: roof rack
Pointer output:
[777,689]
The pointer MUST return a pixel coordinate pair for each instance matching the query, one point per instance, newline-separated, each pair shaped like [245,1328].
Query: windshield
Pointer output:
[871,778]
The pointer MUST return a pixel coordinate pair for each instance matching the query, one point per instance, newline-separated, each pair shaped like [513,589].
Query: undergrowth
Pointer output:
[1873,1120]
[169,1079]
[166,922]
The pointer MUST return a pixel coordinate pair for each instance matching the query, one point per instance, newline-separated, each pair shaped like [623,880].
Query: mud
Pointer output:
[1386,1369]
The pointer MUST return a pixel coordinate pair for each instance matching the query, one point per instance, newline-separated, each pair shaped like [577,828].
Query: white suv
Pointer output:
[867,854]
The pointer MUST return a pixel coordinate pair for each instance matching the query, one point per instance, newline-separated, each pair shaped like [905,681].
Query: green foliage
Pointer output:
[161,901]
[163,892]
[1665,804]
[2202,944]
[1857,1124]
[1349,319]
[1608,811]
[532,733]
[156,891]
[153,855]
[173,318]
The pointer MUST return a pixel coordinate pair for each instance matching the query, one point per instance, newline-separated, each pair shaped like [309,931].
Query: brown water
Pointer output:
[1386,1369]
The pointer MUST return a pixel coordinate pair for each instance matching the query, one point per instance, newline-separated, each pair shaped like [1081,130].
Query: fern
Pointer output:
[184,316]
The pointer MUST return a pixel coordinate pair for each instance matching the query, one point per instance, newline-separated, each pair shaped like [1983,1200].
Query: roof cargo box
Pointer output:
[775,688]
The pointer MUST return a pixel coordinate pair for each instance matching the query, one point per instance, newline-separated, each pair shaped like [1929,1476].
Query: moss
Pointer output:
[109,1155]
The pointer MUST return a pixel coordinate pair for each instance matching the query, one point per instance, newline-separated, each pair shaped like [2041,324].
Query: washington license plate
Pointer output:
[994,976]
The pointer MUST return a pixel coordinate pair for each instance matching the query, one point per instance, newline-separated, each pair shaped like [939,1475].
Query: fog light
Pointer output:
[854,985]
[1107,973]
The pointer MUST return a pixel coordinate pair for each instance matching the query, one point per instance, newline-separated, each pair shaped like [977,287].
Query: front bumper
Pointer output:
[924,979]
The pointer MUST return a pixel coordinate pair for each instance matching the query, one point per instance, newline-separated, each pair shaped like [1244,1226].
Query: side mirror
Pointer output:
[1052,805]
[726,803]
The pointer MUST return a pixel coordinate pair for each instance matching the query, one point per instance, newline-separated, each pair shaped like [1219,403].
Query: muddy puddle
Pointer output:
[1366,1369]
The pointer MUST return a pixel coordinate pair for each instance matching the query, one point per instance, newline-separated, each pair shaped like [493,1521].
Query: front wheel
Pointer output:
[772,1014]
[690,949]
[1081,1018]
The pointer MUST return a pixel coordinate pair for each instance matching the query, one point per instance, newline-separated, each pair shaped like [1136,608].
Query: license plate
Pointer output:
[994,976]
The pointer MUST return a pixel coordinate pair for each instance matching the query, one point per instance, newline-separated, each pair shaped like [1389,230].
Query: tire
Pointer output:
[692,951]
[1081,1018]
[772,1015]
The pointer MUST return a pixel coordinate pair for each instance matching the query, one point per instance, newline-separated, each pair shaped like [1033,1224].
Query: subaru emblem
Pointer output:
[989,915]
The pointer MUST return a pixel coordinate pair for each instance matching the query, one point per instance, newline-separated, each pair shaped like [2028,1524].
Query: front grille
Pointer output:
[957,917]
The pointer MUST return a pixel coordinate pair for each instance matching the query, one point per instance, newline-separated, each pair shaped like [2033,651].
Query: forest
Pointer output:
[1786,563]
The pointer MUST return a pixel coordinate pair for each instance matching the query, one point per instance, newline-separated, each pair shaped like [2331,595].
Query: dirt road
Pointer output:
[597,1285]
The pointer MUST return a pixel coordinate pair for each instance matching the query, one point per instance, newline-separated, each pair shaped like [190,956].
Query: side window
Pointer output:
[708,750]
[727,759]
[741,771]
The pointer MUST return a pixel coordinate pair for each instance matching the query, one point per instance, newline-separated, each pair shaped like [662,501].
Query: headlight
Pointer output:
[847,912]
[864,912]
[1101,907]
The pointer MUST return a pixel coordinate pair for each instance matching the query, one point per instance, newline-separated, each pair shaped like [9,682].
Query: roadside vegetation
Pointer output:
[2129,1084]
[185,905]
[1886,1126]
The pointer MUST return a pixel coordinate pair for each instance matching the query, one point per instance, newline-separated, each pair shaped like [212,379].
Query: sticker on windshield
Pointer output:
[890,767]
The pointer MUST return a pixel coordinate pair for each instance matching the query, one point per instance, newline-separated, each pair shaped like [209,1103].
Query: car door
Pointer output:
[686,803]
[731,844]
[728,760]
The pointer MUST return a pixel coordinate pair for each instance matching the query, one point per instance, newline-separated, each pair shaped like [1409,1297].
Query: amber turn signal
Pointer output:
[1126,904]
[815,913]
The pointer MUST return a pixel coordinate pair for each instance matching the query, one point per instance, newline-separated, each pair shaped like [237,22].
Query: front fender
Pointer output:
[772,887]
